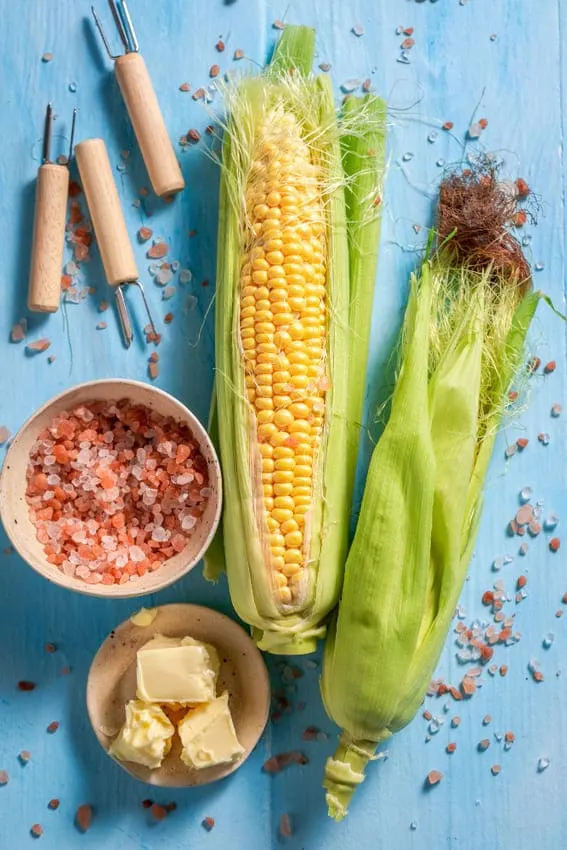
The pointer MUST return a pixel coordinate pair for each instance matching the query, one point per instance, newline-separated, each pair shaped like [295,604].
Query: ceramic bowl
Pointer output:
[14,509]
[112,682]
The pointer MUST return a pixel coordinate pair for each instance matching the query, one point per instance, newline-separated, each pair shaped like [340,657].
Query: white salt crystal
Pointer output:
[188,522]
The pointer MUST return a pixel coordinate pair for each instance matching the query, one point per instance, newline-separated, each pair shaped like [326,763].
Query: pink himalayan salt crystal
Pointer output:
[38,345]
[114,490]
[19,330]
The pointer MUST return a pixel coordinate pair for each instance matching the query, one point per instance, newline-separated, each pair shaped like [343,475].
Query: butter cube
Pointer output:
[145,737]
[208,735]
[176,670]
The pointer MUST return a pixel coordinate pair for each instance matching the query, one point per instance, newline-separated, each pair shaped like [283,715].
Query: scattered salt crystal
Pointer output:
[163,276]
[185,276]
[350,85]
[548,640]
[549,524]
[525,495]
[542,764]
[407,157]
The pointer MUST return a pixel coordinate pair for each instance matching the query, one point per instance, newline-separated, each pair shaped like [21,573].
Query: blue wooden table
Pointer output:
[500,61]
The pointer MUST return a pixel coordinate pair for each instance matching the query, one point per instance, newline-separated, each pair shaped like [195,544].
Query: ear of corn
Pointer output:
[282,374]
[463,341]
[282,347]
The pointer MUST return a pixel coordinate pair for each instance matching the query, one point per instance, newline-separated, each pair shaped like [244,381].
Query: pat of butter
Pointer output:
[145,737]
[177,670]
[144,617]
[208,735]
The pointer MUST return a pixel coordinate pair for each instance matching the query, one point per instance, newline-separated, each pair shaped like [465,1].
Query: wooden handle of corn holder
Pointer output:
[105,211]
[145,114]
[48,238]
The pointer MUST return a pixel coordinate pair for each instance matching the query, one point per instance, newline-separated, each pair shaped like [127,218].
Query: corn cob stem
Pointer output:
[345,771]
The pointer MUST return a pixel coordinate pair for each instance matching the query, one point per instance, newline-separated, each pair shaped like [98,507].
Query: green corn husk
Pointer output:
[295,629]
[462,344]
[364,153]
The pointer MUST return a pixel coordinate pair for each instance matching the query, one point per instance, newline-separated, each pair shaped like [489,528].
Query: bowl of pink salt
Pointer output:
[112,488]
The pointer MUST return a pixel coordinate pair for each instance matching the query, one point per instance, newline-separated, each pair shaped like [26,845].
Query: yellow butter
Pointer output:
[144,617]
[176,670]
[145,737]
[208,735]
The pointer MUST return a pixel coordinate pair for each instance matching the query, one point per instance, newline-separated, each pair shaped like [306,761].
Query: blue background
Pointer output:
[509,57]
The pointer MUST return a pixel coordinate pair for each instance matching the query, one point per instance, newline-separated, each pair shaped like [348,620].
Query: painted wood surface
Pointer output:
[503,59]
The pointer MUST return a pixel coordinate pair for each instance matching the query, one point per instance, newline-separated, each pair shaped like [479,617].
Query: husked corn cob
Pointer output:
[283,337]
[282,351]
[294,291]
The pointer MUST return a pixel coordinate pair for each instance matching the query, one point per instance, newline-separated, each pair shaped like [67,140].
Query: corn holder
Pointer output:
[142,104]
[110,228]
[49,225]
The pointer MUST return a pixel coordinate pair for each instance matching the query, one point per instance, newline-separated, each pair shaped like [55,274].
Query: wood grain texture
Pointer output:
[519,78]
[49,238]
[151,133]
[105,212]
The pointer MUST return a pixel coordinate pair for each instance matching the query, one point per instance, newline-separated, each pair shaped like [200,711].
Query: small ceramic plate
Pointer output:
[112,682]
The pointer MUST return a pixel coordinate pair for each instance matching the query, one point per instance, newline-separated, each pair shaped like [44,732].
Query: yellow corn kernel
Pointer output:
[283,476]
[264,416]
[284,502]
[283,451]
[285,464]
[289,526]
[279,514]
[283,417]
[294,540]
[293,556]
